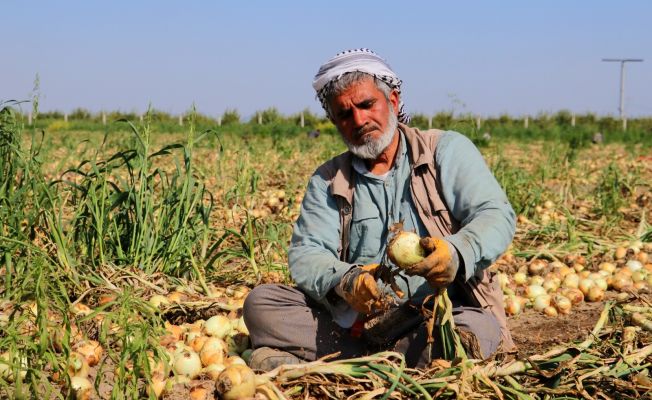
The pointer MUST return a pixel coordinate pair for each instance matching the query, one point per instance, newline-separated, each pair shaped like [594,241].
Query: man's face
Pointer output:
[365,118]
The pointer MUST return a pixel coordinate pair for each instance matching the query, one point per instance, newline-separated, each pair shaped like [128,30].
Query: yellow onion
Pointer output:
[213,370]
[573,294]
[642,257]
[595,294]
[639,276]
[520,278]
[199,393]
[585,285]
[158,301]
[91,350]
[541,302]
[562,303]
[81,387]
[156,385]
[231,360]
[187,363]
[533,291]
[550,311]
[607,266]
[240,326]
[621,281]
[198,342]
[552,284]
[537,280]
[620,253]
[77,365]
[213,351]
[571,280]
[236,382]
[404,249]
[601,283]
[633,265]
[512,305]
[176,297]
[537,266]
[503,280]
[217,326]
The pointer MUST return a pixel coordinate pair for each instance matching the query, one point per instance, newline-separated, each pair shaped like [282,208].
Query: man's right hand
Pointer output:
[359,289]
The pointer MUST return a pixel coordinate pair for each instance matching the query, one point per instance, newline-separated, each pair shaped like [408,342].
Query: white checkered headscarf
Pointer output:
[361,60]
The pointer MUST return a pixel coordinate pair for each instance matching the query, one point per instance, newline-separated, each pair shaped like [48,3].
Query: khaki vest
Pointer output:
[482,290]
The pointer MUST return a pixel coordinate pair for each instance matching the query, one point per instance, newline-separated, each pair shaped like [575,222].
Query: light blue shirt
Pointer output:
[469,189]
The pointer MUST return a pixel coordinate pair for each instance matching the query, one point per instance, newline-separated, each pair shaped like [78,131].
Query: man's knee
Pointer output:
[482,324]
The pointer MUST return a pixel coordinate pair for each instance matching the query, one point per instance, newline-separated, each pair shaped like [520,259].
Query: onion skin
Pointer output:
[236,382]
[404,249]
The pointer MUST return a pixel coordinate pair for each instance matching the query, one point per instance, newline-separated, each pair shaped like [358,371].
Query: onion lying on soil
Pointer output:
[236,382]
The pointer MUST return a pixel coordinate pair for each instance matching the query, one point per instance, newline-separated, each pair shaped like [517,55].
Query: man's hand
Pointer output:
[440,266]
[358,287]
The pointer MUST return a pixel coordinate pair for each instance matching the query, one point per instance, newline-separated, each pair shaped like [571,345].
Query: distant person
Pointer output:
[314,134]
[435,182]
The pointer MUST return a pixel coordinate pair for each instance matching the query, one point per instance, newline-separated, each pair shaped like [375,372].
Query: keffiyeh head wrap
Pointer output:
[362,60]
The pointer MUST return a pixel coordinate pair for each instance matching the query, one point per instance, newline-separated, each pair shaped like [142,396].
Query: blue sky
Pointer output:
[482,57]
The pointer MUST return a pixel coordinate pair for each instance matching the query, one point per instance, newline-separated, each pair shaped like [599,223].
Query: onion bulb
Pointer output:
[404,249]
[213,370]
[520,278]
[585,285]
[512,305]
[620,253]
[633,265]
[607,266]
[550,311]
[571,280]
[533,291]
[595,294]
[77,365]
[217,326]
[213,351]
[541,302]
[81,387]
[573,294]
[537,266]
[562,303]
[158,301]
[236,382]
[187,363]
[91,350]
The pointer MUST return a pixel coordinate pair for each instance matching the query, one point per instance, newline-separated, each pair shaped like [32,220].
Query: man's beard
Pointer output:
[372,148]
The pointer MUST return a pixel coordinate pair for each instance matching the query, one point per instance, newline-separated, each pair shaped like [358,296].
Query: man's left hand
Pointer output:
[440,265]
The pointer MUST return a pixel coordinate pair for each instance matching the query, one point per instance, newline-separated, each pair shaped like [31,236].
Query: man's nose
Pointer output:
[359,117]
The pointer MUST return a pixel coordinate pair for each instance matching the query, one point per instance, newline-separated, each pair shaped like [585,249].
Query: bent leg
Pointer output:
[284,318]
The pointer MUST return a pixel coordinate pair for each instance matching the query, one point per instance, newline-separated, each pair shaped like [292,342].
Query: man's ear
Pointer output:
[395,100]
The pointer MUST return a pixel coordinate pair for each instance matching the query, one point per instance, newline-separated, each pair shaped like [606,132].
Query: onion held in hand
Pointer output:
[404,249]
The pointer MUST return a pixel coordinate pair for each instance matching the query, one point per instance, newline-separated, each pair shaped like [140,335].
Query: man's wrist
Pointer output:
[347,281]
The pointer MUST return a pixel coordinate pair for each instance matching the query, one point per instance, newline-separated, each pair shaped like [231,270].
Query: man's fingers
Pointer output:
[369,284]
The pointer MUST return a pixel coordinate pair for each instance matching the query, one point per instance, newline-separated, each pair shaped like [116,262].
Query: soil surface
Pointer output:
[535,333]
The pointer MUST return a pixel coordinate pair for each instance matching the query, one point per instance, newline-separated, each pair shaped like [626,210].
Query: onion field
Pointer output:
[127,252]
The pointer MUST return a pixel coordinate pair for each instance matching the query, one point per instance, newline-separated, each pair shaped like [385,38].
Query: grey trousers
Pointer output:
[284,318]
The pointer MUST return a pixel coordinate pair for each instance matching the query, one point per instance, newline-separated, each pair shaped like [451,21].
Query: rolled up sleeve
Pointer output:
[475,198]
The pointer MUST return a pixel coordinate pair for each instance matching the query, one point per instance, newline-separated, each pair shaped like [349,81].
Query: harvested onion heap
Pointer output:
[554,287]
[405,250]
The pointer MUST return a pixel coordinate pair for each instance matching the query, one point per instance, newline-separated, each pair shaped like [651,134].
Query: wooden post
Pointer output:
[103,118]
[302,120]
[180,120]
[624,124]
[573,119]
[526,122]
[260,118]
[219,120]
[141,117]
[430,122]
[478,122]
[65,117]
[29,119]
